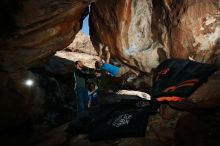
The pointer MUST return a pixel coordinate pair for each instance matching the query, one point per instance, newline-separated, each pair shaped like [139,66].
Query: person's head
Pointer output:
[98,64]
[91,86]
[79,64]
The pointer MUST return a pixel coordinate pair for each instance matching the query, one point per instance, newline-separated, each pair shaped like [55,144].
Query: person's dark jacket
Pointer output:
[80,78]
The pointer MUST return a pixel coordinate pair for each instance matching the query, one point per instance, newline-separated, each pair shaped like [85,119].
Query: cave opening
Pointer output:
[37,87]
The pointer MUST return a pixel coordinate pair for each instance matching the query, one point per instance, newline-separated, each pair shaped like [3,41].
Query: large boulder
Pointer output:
[125,26]
[32,31]
[82,43]
[194,29]
[143,33]
[198,129]
[40,28]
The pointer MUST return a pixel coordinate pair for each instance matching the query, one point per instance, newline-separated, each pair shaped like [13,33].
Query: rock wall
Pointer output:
[195,29]
[125,26]
[31,32]
[41,28]
[142,33]
[82,43]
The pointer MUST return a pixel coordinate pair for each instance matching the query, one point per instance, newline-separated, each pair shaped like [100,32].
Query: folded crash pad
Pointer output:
[127,118]
[176,79]
[121,123]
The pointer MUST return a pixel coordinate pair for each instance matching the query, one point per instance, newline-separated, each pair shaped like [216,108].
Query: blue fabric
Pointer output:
[81,98]
[93,98]
[113,70]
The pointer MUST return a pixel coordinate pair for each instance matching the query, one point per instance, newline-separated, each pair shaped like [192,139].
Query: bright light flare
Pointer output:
[29,82]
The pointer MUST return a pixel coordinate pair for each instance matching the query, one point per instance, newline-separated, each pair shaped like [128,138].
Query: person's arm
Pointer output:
[100,52]
[84,75]
[107,54]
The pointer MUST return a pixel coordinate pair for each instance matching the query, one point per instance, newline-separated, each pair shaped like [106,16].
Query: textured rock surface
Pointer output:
[201,129]
[208,95]
[82,43]
[32,31]
[135,30]
[125,26]
[42,28]
[195,29]
[88,60]
[143,33]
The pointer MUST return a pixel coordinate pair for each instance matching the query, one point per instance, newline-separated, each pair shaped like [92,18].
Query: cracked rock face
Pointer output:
[142,33]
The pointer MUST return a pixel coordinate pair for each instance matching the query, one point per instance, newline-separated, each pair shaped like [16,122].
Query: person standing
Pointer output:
[93,94]
[81,91]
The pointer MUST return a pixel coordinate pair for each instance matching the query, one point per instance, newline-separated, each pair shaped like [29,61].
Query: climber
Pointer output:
[80,86]
[113,70]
